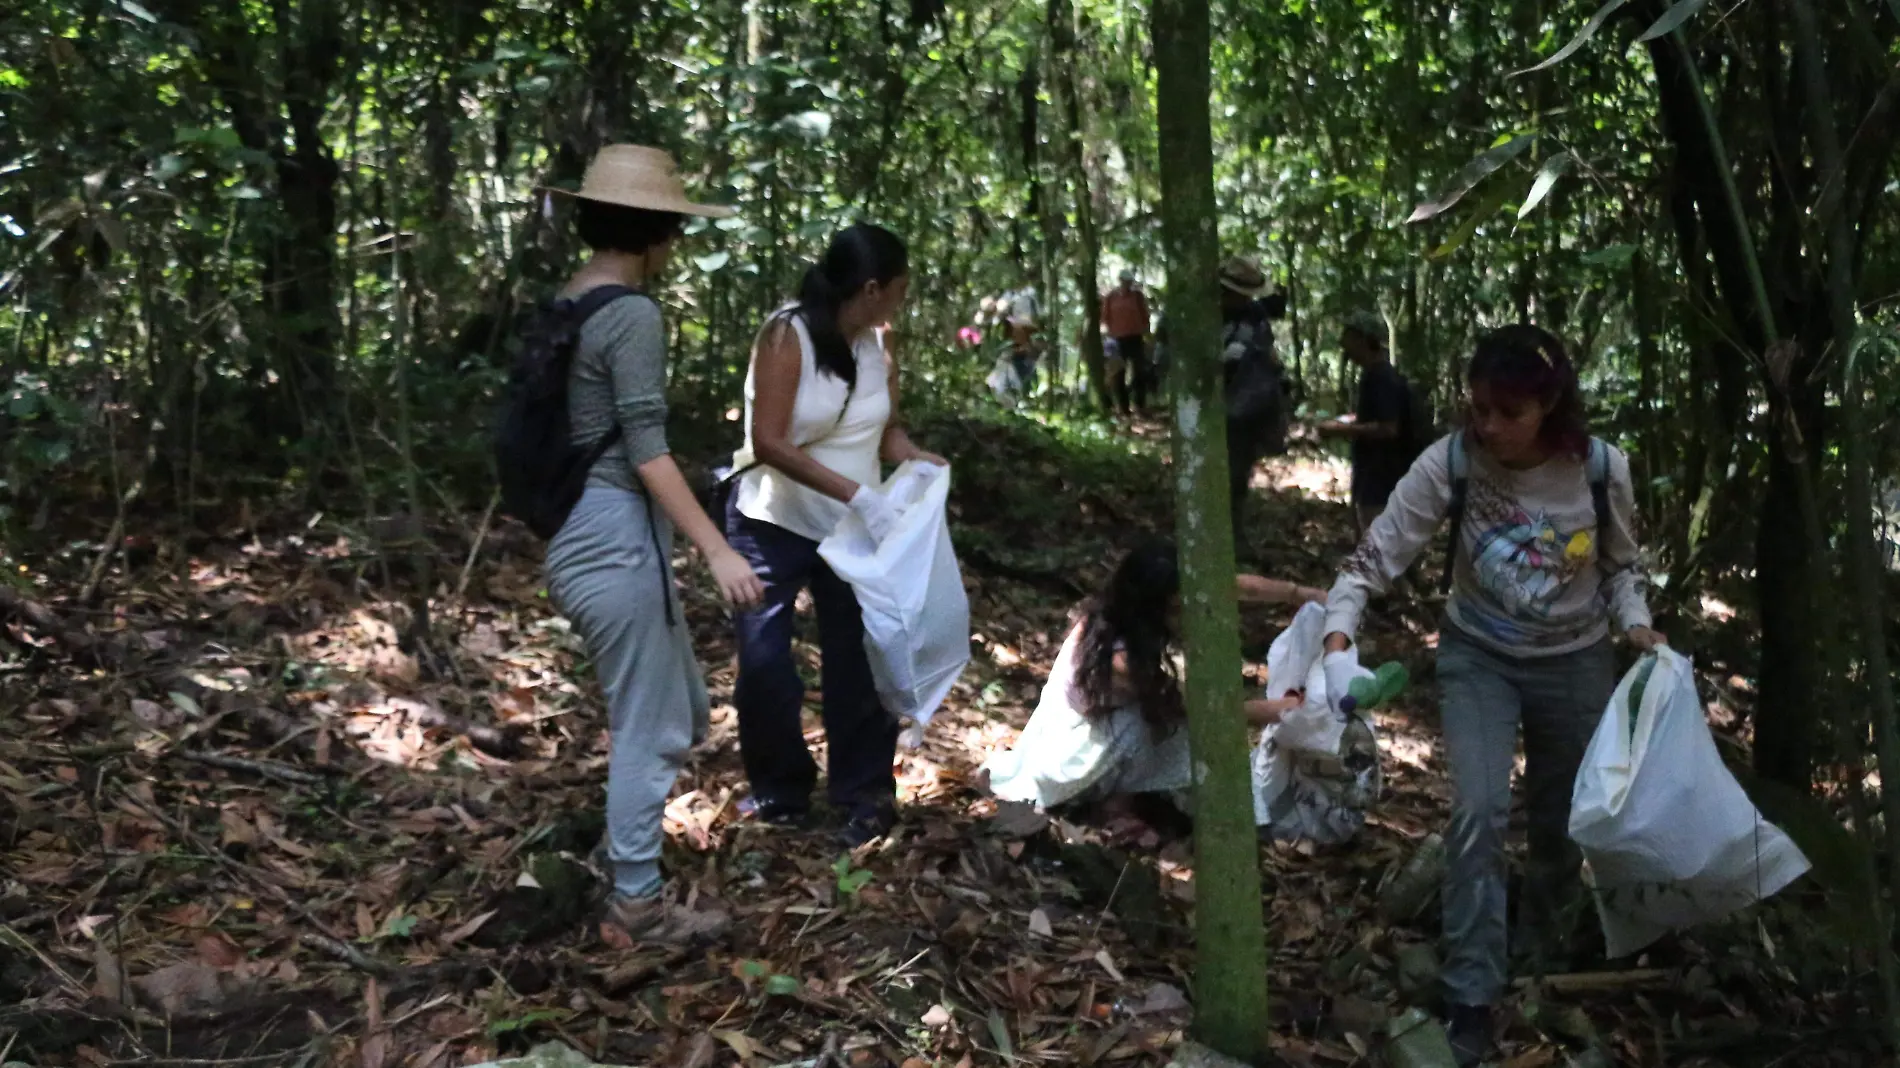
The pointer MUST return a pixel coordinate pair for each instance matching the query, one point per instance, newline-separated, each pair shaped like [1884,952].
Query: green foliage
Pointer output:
[850,879]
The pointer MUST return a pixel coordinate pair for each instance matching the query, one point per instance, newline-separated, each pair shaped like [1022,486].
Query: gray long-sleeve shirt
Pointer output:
[619,375]
[1530,578]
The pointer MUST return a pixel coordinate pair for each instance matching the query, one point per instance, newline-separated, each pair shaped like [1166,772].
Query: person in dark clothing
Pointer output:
[1125,322]
[1378,433]
[1255,382]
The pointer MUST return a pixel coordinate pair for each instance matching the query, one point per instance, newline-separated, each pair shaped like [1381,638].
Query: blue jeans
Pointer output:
[860,736]
[1484,695]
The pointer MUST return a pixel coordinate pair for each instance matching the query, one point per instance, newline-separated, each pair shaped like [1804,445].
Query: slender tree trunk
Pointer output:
[1231,967]
[1088,265]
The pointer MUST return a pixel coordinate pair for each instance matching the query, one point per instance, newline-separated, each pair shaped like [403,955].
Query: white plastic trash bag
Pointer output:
[1315,773]
[1670,838]
[916,614]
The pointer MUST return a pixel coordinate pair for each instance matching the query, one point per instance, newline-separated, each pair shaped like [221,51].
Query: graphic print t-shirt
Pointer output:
[1530,579]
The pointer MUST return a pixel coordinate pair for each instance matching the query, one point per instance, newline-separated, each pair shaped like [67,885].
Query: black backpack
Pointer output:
[542,471]
[1420,431]
[1257,387]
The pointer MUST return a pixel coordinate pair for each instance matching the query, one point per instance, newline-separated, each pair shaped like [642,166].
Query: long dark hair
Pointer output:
[1133,612]
[858,255]
[1528,362]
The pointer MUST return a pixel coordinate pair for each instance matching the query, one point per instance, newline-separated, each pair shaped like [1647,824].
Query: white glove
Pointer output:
[1341,668]
[876,511]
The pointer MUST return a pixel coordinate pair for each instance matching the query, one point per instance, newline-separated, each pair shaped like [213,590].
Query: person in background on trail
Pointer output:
[608,567]
[1255,382]
[1110,723]
[1125,321]
[1544,560]
[821,411]
[1022,313]
[1380,436]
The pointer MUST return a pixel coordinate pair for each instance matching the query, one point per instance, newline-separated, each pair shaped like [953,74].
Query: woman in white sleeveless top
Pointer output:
[821,413]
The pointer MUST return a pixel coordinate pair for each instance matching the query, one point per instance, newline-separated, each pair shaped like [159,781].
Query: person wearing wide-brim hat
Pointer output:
[1255,382]
[608,566]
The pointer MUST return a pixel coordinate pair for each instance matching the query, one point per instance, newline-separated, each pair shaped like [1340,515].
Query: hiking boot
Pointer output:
[658,921]
[778,813]
[866,824]
[1469,1029]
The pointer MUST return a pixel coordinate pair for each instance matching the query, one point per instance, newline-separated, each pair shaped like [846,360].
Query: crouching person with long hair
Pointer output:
[1110,725]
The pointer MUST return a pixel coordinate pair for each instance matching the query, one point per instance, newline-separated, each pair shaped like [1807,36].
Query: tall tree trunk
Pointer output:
[1789,554]
[1087,266]
[1863,565]
[1231,967]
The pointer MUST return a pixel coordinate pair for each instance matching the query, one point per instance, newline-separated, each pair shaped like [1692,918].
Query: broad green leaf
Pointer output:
[782,985]
[1474,172]
[1610,256]
[1678,13]
[1546,180]
[999,1033]
[1582,38]
[712,261]
[1475,218]
[751,969]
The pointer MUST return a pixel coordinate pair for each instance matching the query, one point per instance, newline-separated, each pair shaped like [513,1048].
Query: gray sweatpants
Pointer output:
[606,578]
[1484,695]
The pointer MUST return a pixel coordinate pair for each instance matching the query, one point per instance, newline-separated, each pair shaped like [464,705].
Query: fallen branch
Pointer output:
[346,953]
[504,742]
[267,768]
[1596,982]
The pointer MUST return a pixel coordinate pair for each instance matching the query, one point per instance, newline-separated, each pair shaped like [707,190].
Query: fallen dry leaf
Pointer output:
[109,978]
[216,949]
[188,988]
[464,930]
[1039,924]
[937,1016]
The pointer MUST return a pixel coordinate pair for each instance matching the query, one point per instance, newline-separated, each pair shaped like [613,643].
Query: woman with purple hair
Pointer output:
[1543,560]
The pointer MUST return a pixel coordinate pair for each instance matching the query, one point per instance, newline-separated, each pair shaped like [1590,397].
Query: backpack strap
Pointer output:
[578,310]
[1458,469]
[1598,470]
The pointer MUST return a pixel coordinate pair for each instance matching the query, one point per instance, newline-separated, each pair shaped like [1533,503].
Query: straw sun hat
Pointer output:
[1244,276]
[636,176]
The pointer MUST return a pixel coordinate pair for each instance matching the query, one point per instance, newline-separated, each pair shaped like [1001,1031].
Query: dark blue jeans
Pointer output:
[770,696]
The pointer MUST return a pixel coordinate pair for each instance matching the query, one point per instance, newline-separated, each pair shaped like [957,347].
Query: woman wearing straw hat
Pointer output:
[608,567]
[1255,382]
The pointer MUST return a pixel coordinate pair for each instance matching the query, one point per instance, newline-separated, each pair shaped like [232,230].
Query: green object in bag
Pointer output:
[1644,669]
[1385,684]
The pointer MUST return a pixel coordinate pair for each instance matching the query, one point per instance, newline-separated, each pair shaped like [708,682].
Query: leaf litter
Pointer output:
[251,818]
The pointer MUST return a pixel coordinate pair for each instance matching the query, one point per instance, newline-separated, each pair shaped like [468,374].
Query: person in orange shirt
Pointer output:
[1125,320]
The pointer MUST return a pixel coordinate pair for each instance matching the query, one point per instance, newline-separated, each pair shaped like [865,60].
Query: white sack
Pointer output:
[916,614]
[1670,838]
[1315,773]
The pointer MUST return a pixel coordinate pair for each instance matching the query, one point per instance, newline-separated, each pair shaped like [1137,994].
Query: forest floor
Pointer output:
[247,827]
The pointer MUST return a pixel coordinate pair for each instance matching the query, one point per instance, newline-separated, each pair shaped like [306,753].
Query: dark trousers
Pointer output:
[770,696]
[1139,369]
[1247,441]
[1025,364]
